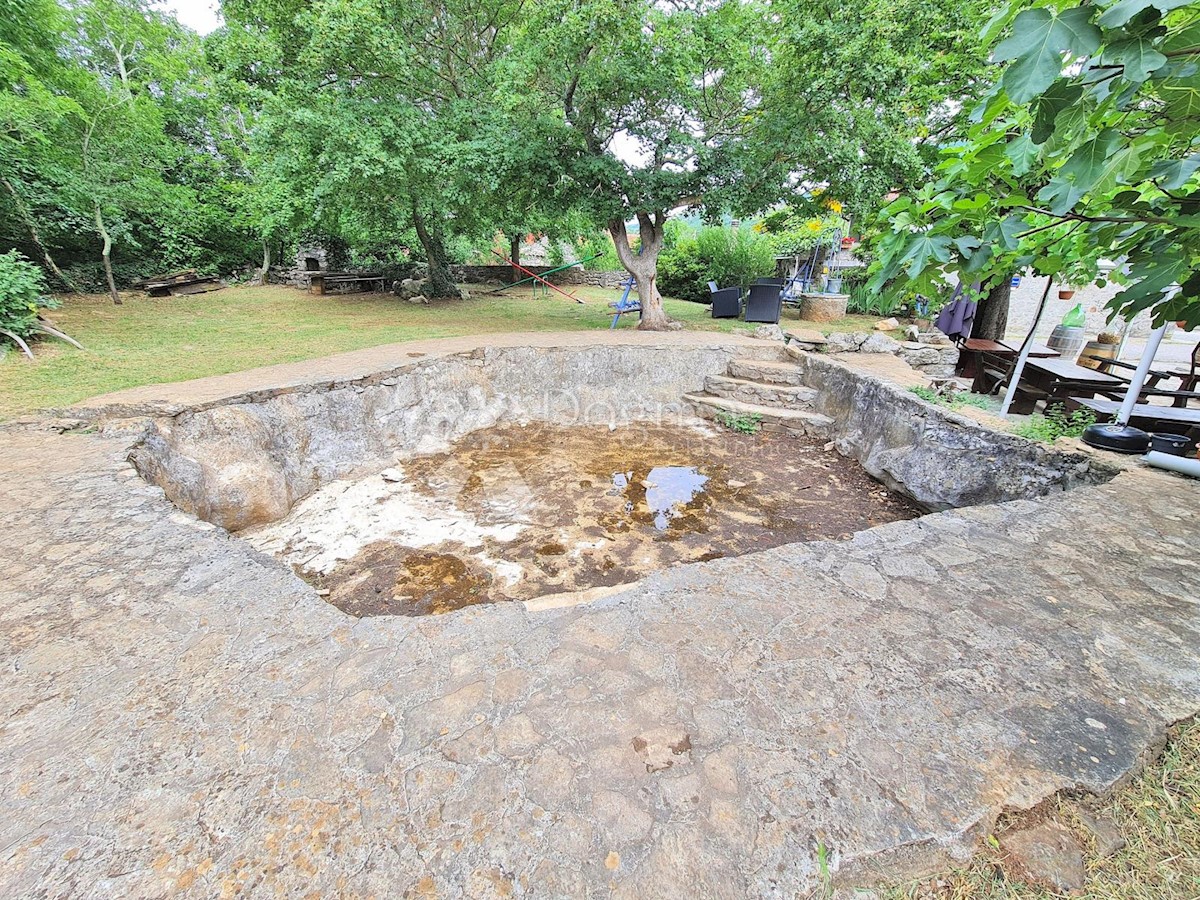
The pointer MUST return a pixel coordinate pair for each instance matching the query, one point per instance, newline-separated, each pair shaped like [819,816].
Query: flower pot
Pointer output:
[1065,293]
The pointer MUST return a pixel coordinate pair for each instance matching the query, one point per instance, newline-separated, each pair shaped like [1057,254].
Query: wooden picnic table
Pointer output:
[1057,379]
[973,348]
[1146,416]
[1036,350]
[319,281]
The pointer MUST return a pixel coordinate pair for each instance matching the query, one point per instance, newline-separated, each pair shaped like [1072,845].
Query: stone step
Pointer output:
[770,372]
[792,396]
[771,418]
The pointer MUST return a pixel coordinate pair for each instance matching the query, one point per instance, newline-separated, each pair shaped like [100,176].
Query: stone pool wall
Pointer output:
[246,463]
[940,458]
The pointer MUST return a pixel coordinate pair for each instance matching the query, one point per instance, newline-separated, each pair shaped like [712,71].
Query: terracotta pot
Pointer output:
[1065,293]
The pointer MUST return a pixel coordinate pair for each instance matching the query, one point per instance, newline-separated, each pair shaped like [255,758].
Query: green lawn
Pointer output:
[151,340]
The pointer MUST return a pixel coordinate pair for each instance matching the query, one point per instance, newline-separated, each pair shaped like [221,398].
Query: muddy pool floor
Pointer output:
[514,513]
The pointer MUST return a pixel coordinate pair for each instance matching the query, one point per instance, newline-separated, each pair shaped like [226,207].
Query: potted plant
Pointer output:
[1066,292]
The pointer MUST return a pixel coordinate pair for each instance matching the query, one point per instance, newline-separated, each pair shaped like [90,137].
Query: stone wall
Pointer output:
[936,456]
[246,463]
[502,274]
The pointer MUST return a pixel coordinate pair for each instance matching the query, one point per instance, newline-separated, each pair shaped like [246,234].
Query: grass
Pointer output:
[151,340]
[1158,815]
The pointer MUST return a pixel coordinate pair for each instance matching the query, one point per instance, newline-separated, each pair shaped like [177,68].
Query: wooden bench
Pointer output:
[1145,415]
[319,282]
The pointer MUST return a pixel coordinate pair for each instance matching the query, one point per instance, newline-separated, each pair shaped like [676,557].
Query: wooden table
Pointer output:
[1145,415]
[1036,350]
[1057,379]
[319,281]
[973,348]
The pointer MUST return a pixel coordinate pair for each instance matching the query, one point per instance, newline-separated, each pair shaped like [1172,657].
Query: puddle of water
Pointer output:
[665,491]
[514,513]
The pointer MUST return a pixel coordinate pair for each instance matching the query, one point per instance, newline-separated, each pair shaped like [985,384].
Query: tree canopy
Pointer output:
[1085,149]
[404,126]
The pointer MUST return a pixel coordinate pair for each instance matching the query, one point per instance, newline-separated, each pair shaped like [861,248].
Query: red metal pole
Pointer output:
[538,278]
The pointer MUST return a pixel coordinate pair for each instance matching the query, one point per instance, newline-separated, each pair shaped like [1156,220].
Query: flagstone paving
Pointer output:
[183,715]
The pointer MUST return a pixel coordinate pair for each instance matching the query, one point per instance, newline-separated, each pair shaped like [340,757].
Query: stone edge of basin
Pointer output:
[355,368]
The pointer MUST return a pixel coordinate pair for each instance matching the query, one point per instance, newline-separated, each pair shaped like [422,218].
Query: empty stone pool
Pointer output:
[532,474]
[516,513]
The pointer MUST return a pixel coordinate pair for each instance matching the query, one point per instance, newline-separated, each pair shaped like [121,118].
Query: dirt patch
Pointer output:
[550,510]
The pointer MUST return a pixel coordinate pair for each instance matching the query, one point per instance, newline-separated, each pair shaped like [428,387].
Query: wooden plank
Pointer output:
[1142,412]
[198,287]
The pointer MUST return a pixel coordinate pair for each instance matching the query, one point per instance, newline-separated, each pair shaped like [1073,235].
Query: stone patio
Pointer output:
[184,715]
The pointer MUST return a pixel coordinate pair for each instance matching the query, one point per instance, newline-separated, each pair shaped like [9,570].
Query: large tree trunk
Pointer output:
[106,255]
[514,254]
[643,266]
[31,226]
[991,318]
[440,283]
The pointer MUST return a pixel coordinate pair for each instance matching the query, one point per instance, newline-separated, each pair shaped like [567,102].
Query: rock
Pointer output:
[392,475]
[912,333]
[805,336]
[938,370]
[1045,854]
[844,341]
[769,333]
[879,343]
[464,294]
[410,287]
[934,337]
[890,324]
[674,326]
[921,356]
[1105,833]
[419,298]
[823,307]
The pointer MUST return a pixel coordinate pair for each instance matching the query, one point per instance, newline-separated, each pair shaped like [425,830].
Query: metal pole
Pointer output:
[578,262]
[539,279]
[1139,375]
[1015,379]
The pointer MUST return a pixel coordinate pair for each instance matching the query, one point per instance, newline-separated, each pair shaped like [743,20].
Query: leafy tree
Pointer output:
[22,297]
[34,112]
[860,95]
[639,107]
[1085,149]
[729,106]
[375,117]
[110,137]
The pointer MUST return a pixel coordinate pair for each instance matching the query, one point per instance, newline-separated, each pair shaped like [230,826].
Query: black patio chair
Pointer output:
[778,281]
[727,303]
[765,303]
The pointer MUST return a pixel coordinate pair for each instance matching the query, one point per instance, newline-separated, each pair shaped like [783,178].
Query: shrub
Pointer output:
[735,256]
[22,294]
[1056,423]
[681,271]
[601,246]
